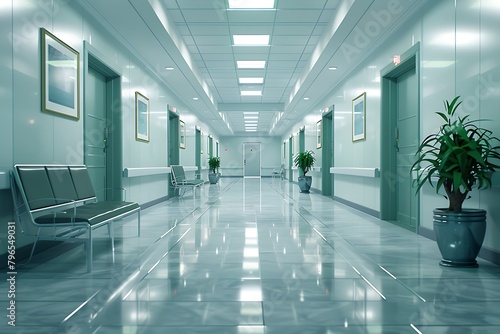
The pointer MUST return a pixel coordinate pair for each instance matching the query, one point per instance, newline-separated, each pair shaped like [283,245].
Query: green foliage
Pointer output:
[304,161]
[214,164]
[459,155]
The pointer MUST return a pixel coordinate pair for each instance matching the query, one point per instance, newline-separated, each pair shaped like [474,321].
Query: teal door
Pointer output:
[406,143]
[302,140]
[173,143]
[210,146]
[399,138]
[327,153]
[197,149]
[96,131]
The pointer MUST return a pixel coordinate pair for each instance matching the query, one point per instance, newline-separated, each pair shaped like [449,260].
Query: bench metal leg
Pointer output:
[111,235]
[33,248]
[88,245]
[139,223]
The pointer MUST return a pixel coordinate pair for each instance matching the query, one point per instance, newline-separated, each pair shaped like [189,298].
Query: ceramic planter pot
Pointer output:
[459,236]
[305,183]
[213,177]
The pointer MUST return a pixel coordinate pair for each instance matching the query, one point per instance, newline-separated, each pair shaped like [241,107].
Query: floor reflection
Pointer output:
[257,256]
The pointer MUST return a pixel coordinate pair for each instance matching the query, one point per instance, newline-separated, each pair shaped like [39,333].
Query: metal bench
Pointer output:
[180,182]
[60,202]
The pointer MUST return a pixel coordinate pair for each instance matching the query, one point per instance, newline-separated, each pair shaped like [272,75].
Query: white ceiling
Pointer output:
[306,37]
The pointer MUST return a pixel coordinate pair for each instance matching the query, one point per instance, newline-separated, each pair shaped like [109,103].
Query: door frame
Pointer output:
[388,157]
[93,58]
[260,159]
[327,156]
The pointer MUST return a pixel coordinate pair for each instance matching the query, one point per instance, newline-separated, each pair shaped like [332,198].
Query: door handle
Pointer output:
[396,138]
[105,140]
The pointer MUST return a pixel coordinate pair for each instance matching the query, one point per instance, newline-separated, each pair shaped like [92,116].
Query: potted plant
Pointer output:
[213,165]
[304,161]
[457,157]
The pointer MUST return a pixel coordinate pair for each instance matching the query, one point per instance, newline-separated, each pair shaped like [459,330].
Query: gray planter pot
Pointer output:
[305,183]
[459,236]
[213,178]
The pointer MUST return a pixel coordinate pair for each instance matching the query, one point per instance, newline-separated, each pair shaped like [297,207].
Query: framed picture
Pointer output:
[359,118]
[60,77]
[141,117]
[182,134]
[318,134]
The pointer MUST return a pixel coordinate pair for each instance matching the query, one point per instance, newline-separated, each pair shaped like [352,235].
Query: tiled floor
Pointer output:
[255,256]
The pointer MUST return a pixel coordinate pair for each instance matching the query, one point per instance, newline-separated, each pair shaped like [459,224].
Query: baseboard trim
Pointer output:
[358,207]
[426,232]
[154,202]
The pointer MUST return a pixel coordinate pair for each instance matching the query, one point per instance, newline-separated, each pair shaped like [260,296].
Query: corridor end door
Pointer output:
[251,160]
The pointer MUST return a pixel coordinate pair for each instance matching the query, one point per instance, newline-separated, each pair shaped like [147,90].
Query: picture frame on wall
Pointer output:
[359,118]
[60,77]
[318,134]
[182,134]
[141,117]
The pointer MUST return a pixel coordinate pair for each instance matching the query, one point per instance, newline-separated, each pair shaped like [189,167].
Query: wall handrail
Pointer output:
[145,171]
[356,171]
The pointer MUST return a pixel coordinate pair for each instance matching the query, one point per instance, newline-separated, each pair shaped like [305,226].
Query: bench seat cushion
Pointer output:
[193,182]
[93,213]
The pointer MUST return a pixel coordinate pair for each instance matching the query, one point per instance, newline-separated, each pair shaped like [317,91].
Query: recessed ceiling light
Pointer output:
[251,130]
[245,40]
[251,80]
[251,122]
[306,98]
[169,68]
[250,112]
[251,63]
[251,4]
[332,68]
[251,93]
[195,98]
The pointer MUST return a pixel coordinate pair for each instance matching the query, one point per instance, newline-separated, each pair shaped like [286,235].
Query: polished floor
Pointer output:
[254,256]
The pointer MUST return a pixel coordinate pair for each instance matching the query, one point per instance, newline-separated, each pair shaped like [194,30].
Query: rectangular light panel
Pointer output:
[251,64]
[251,80]
[251,93]
[248,40]
[251,4]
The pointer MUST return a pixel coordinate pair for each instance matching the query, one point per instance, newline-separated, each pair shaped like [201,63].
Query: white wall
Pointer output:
[459,56]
